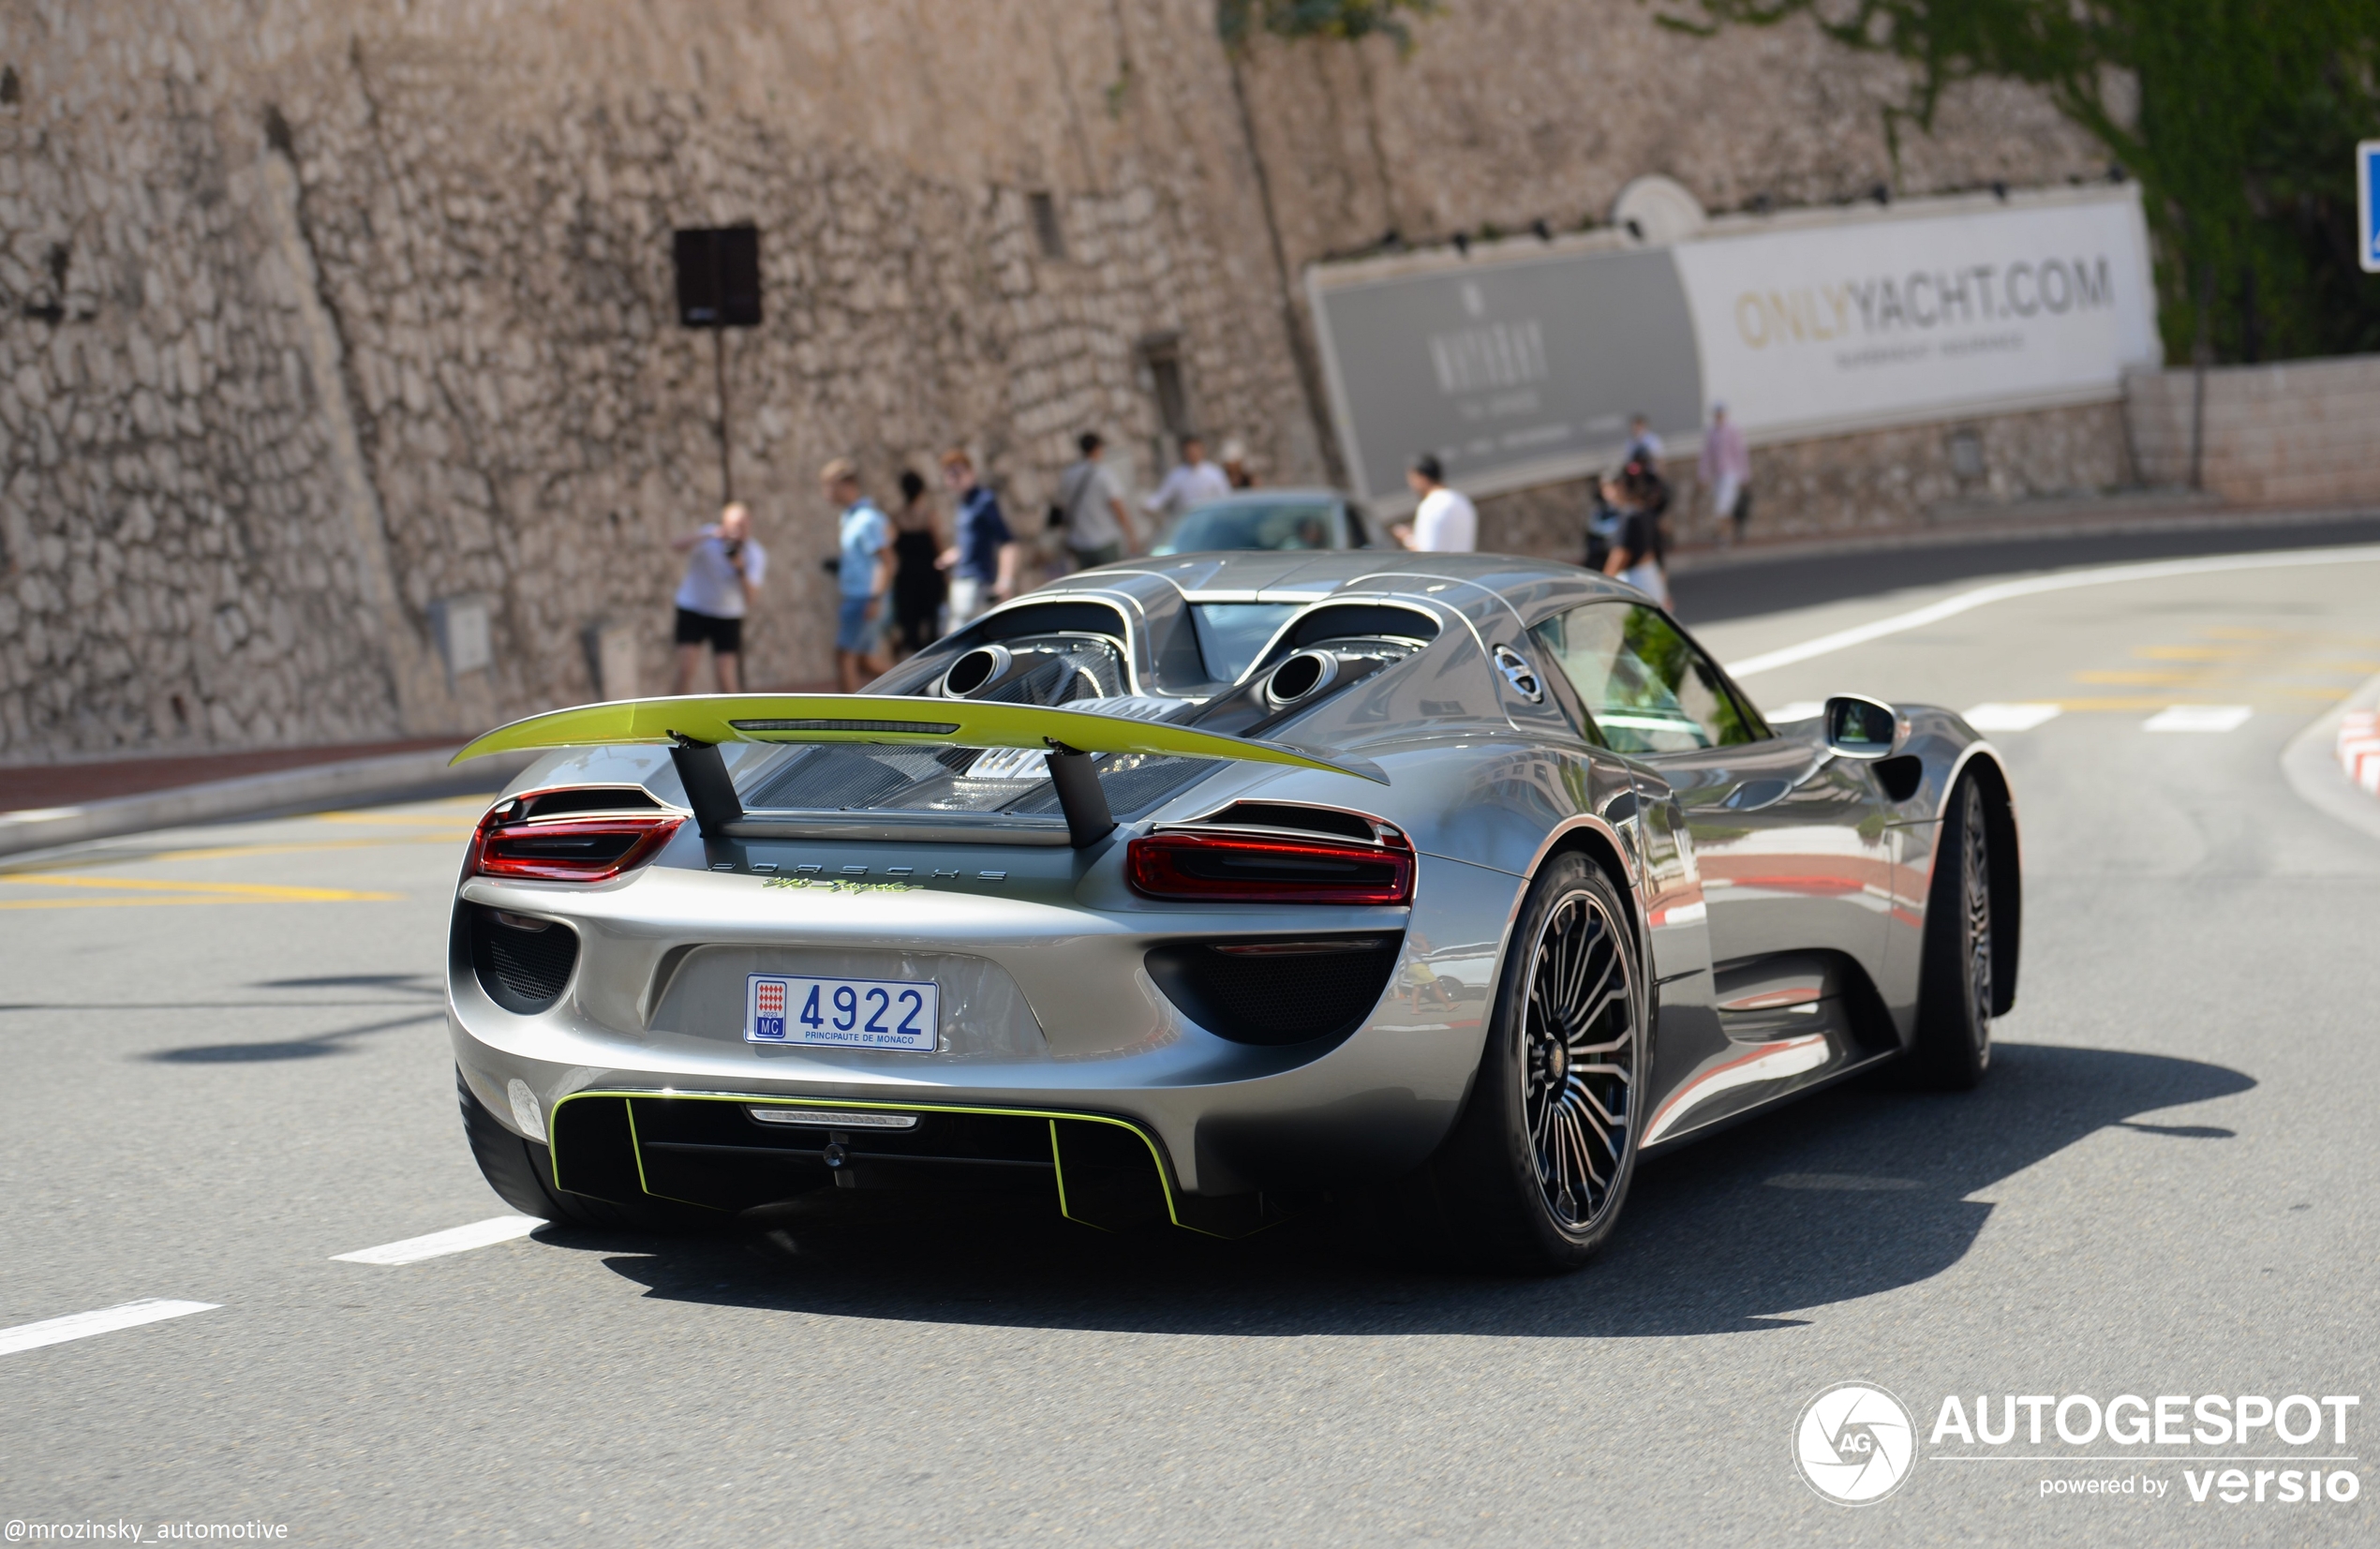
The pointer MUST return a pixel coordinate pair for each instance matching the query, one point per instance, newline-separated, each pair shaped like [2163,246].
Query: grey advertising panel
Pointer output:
[1513,372]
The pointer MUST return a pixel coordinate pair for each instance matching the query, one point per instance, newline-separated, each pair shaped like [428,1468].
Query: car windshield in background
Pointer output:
[1231,633]
[1255,524]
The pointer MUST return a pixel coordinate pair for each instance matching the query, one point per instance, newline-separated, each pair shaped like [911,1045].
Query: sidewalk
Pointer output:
[46,805]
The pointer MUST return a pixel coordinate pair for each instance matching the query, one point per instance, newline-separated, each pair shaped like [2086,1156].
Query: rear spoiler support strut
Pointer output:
[711,793]
[709,789]
[1088,819]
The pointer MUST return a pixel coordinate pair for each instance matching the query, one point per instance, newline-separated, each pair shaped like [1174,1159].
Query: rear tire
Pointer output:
[521,1174]
[1954,996]
[1532,1177]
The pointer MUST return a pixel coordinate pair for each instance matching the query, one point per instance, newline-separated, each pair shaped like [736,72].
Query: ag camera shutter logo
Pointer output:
[1856,1444]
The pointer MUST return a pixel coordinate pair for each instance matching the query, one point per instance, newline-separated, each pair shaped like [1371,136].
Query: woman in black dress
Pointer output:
[918,586]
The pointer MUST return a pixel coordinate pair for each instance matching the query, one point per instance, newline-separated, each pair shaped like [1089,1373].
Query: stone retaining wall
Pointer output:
[2299,433]
[318,315]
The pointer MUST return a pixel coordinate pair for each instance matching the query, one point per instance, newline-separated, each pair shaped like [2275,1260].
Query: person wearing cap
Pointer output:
[723,576]
[1726,471]
[863,574]
[1445,522]
[1235,465]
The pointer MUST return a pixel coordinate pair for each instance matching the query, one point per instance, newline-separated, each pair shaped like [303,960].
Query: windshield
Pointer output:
[1283,524]
[1231,633]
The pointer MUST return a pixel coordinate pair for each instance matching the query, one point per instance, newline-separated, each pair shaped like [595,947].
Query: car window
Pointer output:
[1648,690]
[1285,524]
[1231,633]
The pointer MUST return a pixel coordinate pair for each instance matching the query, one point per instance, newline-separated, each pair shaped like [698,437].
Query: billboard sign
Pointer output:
[1521,364]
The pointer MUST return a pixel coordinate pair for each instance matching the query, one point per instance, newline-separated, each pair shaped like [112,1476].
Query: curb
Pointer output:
[2018,527]
[394,778]
[2316,763]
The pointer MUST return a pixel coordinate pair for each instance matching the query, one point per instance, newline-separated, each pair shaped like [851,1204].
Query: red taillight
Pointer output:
[1261,869]
[566,849]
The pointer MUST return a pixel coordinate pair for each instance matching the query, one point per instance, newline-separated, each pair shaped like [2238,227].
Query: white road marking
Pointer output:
[479,1234]
[2000,591]
[1997,717]
[2198,717]
[1800,709]
[82,1325]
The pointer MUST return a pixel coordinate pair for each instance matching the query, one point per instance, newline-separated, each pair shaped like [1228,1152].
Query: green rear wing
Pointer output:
[693,727]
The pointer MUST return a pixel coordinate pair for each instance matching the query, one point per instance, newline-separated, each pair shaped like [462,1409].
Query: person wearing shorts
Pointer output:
[863,574]
[723,576]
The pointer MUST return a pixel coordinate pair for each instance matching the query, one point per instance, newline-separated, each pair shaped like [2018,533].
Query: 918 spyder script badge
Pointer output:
[836,885]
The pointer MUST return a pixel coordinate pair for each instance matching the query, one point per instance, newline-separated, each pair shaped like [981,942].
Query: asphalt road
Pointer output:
[226,1064]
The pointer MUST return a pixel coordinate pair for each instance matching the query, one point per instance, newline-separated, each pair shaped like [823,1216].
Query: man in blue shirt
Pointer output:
[863,574]
[982,558]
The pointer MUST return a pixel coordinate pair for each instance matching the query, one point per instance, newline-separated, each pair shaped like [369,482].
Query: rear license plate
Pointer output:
[844,1013]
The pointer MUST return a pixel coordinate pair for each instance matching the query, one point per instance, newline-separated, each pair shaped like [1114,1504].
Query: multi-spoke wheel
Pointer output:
[1535,1173]
[1578,1076]
[1956,996]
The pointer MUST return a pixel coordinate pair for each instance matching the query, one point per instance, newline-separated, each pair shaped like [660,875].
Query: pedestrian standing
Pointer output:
[917,584]
[723,577]
[1236,471]
[1194,481]
[863,574]
[1636,550]
[1727,473]
[1445,522]
[1098,529]
[982,557]
[1644,444]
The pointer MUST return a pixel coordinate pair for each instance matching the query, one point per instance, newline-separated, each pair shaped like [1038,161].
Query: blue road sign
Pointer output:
[2368,202]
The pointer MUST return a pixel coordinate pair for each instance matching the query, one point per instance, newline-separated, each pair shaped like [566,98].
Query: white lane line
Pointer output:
[2000,591]
[1997,717]
[82,1325]
[479,1234]
[1800,709]
[2198,717]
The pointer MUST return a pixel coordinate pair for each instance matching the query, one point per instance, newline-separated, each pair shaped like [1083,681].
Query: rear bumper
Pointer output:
[1051,1014]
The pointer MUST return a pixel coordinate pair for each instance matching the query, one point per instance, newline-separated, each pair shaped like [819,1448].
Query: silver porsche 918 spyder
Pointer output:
[1195,890]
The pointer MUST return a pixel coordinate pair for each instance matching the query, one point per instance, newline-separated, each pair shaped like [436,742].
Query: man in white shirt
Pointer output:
[721,579]
[1194,481]
[1445,522]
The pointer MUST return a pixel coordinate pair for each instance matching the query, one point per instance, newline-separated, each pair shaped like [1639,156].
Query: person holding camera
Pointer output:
[721,579]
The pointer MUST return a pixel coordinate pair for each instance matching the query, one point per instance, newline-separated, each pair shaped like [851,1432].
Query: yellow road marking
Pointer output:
[407,819]
[145,902]
[262,891]
[2143,678]
[2186,653]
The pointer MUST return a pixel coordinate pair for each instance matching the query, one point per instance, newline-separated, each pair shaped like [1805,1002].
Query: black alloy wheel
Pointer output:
[1955,1002]
[1537,1168]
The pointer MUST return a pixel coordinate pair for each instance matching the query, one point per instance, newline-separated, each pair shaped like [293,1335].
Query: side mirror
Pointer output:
[1864,728]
